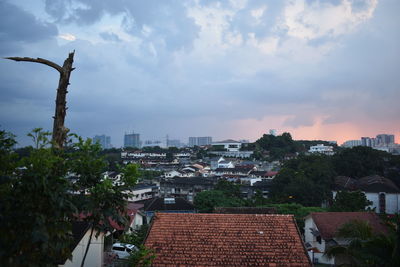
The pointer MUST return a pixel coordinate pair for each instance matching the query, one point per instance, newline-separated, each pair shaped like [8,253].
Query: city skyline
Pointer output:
[227,69]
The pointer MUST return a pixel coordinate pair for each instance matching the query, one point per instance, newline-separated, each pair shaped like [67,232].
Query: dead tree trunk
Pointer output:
[59,131]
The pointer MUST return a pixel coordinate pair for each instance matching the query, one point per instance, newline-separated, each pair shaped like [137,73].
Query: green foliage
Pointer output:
[39,137]
[37,206]
[149,174]
[278,146]
[206,201]
[217,148]
[306,180]
[367,248]
[360,161]
[299,211]
[136,237]
[228,188]
[350,201]
[142,258]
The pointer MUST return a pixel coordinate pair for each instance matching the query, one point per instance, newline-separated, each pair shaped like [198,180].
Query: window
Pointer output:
[319,239]
[382,203]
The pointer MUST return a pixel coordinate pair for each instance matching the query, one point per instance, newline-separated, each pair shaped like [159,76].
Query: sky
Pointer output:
[235,69]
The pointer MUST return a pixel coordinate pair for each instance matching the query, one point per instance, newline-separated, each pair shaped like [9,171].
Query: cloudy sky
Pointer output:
[227,69]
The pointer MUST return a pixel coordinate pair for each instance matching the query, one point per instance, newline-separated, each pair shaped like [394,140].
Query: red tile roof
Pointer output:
[329,222]
[180,239]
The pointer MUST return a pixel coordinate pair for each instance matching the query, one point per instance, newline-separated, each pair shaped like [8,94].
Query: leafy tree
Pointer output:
[299,211]
[37,206]
[367,248]
[306,180]
[136,237]
[278,146]
[360,161]
[228,188]
[350,201]
[142,258]
[206,201]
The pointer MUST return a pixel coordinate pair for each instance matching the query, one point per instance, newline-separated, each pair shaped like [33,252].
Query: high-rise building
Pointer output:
[173,143]
[385,139]
[132,140]
[352,143]
[366,141]
[103,140]
[200,141]
[204,141]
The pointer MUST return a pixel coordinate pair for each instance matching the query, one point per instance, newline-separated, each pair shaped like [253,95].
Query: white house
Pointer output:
[173,173]
[143,191]
[383,193]
[81,232]
[321,149]
[320,232]
[229,145]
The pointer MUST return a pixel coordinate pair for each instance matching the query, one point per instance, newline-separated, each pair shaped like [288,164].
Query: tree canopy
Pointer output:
[350,201]
[43,193]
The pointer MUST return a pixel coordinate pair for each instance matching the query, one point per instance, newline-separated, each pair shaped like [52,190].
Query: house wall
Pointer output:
[392,201]
[172,174]
[310,238]
[94,257]
[138,222]
[142,194]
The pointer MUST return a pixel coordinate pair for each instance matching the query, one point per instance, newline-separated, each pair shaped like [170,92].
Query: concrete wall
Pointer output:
[94,257]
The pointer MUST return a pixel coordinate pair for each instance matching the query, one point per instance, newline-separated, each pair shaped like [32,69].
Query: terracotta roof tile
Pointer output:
[226,240]
[329,222]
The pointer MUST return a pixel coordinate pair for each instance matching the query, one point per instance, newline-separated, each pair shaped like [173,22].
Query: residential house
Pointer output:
[263,174]
[383,193]
[321,149]
[143,191]
[182,239]
[186,188]
[248,191]
[136,219]
[246,210]
[81,234]
[231,171]
[170,205]
[321,227]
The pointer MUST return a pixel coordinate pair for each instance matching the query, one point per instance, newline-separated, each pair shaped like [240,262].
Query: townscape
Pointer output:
[165,133]
[247,199]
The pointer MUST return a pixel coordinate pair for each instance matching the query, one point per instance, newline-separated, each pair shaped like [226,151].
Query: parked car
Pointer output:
[123,250]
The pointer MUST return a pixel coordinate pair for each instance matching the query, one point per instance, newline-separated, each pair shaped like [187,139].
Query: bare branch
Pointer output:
[38,60]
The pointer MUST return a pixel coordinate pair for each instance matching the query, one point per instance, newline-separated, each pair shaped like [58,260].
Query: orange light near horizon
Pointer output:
[339,132]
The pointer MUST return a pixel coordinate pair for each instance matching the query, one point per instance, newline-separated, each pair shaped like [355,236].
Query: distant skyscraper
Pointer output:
[352,143]
[192,141]
[385,139]
[366,141]
[103,140]
[132,140]
[200,141]
[173,143]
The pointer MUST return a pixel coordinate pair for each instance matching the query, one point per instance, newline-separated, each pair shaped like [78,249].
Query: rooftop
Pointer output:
[159,204]
[329,222]
[181,239]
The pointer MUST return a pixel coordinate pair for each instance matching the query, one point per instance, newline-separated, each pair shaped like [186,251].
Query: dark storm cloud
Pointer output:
[132,73]
[16,25]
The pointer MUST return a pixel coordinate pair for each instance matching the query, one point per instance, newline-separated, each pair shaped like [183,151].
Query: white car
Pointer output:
[123,250]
